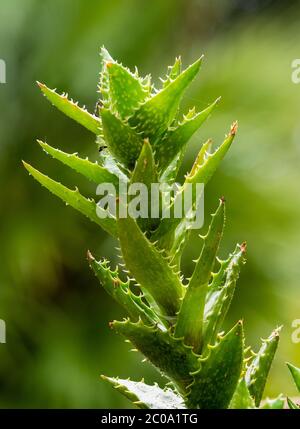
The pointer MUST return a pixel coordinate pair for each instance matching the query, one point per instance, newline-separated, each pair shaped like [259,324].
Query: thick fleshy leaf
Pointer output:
[292,405]
[103,87]
[145,174]
[242,398]
[205,167]
[74,199]
[72,110]
[201,172]
[145,396]
[166,353]
[107,161]
[215,383]
[176,138]
[179,238]
[273,404]
[258,370]
[154,116]
[218,300]
[122,140]
[149,267]
[295,374]
[120,291]
[173,72]
[190,318]
[145,168]
[91,170]
[171,172]
[126,90]
[218,279]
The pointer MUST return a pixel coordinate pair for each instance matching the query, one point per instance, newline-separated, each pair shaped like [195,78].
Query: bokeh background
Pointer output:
[58,340]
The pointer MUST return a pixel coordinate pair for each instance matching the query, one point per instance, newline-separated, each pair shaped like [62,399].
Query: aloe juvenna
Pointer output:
[176,323]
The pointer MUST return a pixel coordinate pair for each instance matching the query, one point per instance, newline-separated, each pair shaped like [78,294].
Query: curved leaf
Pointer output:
[190,318]
[295,374]
[177,138]
[145,396]
[122,140]
[72,110]
[258,370]
[215,383]
[74,199]
[167,353]
[91,170]
[121,292]
[154,116]
[148,266]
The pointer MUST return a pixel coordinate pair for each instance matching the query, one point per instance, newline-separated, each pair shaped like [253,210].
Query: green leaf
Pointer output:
[206,164]
[145,396]
[215,383]
[219,296]
[168,354]
[126,90]
[145,168]
[107,161]
[201,172]
[103,86]
[190,318]
[173,72]
[292,404]
[154,116]
[295,374]
[273,404]
[120,291]
[242,398]
[176,138]
[145,173]
[122,140]
[178,239]
[218,279]
[258,370]
[72,110]
[148,266]
[169,175]
[92,171]
[74,199]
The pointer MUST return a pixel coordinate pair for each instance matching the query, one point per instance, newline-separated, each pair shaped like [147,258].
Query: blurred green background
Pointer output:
[58,340]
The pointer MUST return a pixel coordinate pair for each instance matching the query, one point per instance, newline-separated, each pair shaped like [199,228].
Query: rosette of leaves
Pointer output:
[176,322]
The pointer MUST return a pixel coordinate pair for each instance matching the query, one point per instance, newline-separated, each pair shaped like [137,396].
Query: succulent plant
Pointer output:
[176,322]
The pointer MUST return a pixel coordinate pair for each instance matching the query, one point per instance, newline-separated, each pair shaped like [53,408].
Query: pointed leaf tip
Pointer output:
[73,198]
[295,374]
[154,116]
[89,256]
[257,372]
[234,128]
[72,110]
[191,315]
[216,381]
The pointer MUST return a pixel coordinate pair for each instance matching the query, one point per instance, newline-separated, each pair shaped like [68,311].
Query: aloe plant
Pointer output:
[176,322]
